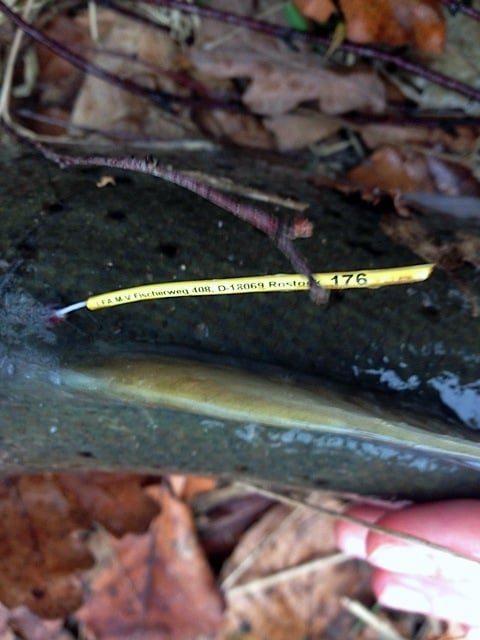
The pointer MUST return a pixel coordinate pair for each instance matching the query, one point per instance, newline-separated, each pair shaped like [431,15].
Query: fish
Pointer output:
[229,393]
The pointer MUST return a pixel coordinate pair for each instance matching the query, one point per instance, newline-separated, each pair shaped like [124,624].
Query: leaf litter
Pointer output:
[42,545]
[156,585]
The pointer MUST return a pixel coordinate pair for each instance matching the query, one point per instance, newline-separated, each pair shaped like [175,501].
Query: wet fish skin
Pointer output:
[233,394]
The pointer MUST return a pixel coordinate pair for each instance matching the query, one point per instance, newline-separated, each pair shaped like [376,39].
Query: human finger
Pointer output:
[452,524]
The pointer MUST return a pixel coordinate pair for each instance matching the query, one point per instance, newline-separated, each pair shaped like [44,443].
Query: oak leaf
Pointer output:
[153,586]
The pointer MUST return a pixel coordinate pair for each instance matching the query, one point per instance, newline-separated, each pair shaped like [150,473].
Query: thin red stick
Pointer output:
[280,234]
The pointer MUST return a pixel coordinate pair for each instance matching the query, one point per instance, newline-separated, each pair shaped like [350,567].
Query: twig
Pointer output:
[384,629]
[282,235]
[234,576]
[229,186]
[6,89]
[259,584]
[399,535]
[456,6]
[290,35]
[114,135]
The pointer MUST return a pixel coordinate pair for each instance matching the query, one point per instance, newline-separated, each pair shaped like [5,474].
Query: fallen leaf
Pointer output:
[42,549]
[390,168]
[295,131]
[153,586]
[40,554]
[460,139]
[223,515]
[394,169]
[188,487]
[394,22]
[304,605]
[459,60]
[143,54]
[118,501]
[449,251]
[48,121]
[280,81]
[318,10]
[58,80]
[237,128]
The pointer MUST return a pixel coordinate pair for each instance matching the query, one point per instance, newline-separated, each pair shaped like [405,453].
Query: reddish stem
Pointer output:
[163,99]
[288,34]
[280,234]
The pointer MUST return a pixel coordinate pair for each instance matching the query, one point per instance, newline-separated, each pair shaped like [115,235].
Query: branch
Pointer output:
[163,99]
[281,235]
[290,35]
[456,6]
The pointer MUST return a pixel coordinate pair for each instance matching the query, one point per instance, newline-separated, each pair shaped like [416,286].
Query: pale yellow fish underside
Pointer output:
[231,394]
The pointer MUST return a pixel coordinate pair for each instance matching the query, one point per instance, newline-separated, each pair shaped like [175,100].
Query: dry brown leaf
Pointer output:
[394,169]
[144,55]
[42,550]
[396,22]
[115,500]
[223,515]
[58,80]
[237,128]
[462,139]
[281,81]
[302,606]
[295,131]
[318,10]
[393,22]
[154,586]
[390,168]
[40,554]
[186,487]
[450,252]
[459,60]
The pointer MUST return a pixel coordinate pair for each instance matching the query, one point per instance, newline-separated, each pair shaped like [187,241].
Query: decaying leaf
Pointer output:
[237,128]
[116,500]
[449,251]
[459,60]
[42,548]
[394,22]
[297,130]
[58,80]
[305,605]
[392,168]
[143,54]
[153,586]
[318,10]
[460,139]
[280,81]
